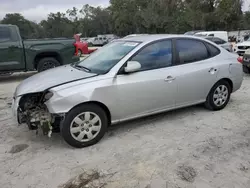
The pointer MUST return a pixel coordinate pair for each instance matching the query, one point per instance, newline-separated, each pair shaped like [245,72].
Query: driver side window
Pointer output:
[155,56]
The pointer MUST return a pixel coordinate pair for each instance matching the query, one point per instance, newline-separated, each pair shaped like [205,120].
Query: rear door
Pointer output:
[11,49]
[196,71]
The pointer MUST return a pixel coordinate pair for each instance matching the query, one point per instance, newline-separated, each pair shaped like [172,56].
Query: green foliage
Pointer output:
[124,17]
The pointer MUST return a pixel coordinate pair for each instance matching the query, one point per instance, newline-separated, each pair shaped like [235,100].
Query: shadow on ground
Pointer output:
[114,130]
[15,77]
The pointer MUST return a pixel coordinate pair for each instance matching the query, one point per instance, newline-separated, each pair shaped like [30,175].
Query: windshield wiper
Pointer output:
[82,67]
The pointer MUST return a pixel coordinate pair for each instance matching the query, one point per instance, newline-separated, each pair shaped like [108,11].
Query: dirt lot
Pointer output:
[186,148]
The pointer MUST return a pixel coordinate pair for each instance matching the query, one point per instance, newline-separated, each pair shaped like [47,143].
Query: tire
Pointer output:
[47,63]
[214,103]
[246,69]
[79,53]
[79,124]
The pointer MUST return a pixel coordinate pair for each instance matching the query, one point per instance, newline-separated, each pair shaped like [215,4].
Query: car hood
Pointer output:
[51,78]
[246,43]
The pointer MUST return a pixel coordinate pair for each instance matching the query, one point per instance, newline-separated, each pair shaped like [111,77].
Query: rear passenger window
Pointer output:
[212,50]
[191,50]
[5,34]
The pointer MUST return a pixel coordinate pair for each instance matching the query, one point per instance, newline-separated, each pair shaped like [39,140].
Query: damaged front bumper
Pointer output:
[37,117]
[15,108]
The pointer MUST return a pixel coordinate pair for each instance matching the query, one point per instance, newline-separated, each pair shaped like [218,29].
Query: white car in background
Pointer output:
[226,45]
[242,47]
[219,34]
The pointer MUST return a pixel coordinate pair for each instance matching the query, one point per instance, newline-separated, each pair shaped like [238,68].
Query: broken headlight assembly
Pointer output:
[48,95]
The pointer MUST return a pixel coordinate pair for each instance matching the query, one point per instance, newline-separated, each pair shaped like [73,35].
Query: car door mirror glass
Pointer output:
[132,66]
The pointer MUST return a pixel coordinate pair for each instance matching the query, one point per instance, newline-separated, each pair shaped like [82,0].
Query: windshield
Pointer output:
[104,59]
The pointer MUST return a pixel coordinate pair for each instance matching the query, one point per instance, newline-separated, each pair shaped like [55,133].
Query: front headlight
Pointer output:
[48,96]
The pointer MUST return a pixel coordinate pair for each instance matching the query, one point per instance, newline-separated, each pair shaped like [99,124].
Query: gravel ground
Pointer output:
[186,148]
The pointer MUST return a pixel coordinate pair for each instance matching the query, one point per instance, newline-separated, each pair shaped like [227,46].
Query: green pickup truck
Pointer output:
[29,55]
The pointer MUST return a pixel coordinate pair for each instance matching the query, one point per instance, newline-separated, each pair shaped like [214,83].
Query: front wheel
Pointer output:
[84,125]
[219,96]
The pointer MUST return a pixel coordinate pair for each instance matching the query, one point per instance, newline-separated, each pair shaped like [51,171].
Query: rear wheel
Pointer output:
[84,125]
[219,96]
[79,53]
[47,63]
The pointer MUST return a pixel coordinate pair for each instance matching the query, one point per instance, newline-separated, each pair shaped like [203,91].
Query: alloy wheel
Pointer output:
[48,65]
[220,95]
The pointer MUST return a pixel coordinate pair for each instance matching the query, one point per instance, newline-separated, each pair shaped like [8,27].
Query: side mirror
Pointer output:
[132,66]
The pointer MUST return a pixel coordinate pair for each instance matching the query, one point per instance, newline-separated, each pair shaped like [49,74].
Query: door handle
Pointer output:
[169,78]
[212,70]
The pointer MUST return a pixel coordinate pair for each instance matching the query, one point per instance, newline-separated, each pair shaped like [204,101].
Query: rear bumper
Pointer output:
[75,59]
[71,60]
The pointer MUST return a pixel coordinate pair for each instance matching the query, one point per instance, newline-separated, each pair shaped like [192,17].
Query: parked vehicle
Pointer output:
[82,47]
[28,55]
[246,62]
[125,80]
[241,48]
[97,41]
[134,35]
[219,34]
[193,32]
[226,45]
[110,37]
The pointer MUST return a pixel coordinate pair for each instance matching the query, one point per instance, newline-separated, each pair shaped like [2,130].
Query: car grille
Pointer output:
[243,47]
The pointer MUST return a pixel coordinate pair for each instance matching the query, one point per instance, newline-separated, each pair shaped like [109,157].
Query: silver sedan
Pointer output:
[127,79]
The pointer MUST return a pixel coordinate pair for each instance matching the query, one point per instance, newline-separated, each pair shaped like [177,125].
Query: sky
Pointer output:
[36,10]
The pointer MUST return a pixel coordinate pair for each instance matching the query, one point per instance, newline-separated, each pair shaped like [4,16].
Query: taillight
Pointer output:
[240,59]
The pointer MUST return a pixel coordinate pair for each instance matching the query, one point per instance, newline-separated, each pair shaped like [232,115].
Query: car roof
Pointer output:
[154,37]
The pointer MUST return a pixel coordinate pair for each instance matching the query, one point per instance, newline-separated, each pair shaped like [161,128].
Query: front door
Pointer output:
[197,72]
[11,50]
[153,88]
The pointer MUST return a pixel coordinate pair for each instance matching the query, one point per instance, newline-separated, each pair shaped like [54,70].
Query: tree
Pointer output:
[229,13]
[28,29]
[125,17]
[58,25]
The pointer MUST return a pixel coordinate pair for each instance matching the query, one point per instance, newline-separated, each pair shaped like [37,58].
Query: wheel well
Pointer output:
[101,105]
[229,81]
[47,54]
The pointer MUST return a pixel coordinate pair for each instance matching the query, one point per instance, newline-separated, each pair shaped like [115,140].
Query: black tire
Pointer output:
[65,127]
[210,103]
[246,69]
[47,63]
[79,53]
